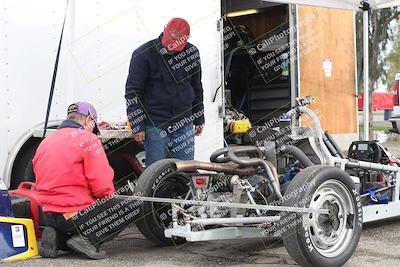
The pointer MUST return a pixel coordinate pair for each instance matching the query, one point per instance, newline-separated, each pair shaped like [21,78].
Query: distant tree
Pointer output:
[380,33]
[393,59]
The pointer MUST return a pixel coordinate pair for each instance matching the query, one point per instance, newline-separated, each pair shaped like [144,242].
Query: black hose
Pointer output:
[333,146]
[298,154]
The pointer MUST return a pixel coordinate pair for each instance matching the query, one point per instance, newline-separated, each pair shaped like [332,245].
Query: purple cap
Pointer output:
[83,108]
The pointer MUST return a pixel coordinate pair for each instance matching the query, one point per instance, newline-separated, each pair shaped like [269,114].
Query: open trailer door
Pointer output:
[327,68]
[356,5]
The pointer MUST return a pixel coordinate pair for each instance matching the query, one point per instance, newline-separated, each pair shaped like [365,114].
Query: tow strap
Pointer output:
[53,81]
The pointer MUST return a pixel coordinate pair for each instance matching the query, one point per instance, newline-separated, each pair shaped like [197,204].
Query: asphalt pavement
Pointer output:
[379,246]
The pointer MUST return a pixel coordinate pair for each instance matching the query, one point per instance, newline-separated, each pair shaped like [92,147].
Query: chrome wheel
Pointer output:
[330,234]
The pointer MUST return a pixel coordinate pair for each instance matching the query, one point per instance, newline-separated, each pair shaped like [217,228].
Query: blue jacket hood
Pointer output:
[70,124]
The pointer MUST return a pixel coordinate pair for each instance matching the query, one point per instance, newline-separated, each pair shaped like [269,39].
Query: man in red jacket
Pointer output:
[75,185]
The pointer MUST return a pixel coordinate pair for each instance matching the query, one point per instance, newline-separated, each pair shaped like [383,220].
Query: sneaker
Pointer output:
[48,245]
[83,245]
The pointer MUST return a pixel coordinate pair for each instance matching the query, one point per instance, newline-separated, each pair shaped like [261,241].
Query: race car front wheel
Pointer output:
[314,239]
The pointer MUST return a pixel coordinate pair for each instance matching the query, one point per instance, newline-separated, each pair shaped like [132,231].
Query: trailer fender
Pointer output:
[19,145]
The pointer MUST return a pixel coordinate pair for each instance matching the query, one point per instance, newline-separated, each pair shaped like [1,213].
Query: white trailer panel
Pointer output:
[99,39]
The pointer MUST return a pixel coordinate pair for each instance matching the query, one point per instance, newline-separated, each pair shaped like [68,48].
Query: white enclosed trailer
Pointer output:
[98,41]
[99,38]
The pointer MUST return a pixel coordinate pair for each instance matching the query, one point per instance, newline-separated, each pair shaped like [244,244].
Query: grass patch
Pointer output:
[394,139]
[384,128]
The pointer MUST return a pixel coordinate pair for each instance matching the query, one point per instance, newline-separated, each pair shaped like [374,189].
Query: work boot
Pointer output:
[48,245]
[82,245]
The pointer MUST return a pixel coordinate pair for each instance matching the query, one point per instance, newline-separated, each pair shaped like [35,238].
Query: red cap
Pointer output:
[176,34]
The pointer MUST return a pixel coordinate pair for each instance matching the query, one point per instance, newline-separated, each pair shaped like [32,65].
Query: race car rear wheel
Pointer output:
[323,239]
[160,180]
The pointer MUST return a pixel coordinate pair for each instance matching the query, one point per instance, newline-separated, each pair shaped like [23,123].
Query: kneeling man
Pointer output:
[75,185]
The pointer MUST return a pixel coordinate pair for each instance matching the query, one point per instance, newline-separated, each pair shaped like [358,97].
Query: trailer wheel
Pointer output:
[159,180]
[318,239]
[22,170]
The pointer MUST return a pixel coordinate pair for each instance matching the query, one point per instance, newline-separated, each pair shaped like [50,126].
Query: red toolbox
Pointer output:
[26,204]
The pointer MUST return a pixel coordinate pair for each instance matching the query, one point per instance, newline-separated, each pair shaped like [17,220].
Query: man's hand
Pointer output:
[139,137]
[198,129]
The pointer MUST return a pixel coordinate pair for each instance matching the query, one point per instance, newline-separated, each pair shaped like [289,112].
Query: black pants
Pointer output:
[99,222]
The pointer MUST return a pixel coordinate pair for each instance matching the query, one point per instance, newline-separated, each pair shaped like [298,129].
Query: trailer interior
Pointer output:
[256,60]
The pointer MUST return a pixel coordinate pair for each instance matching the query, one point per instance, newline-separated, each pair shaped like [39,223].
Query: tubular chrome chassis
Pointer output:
[235,227]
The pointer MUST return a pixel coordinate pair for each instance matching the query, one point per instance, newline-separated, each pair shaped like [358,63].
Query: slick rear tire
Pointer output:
[159,180]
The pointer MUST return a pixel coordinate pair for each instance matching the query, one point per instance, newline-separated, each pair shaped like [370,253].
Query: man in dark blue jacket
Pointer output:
[164,94]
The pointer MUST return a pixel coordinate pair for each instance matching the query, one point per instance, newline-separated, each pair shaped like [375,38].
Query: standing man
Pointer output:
[164,94]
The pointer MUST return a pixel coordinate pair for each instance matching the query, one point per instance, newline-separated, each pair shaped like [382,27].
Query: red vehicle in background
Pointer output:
[396,89]
[383,100]
[395,116]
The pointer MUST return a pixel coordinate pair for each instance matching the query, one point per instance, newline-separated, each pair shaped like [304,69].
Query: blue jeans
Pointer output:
[161,144]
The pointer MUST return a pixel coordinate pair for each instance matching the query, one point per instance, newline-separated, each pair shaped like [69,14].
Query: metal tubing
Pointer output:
[367,165]
[222,151]
[222,164]
[254,162]
[327,157]
[325,152]
[396,188]
[193,165]
[366,73]
[245,220]
[252,201]
[292,44]
[230,205]
[274,171]
[378,190]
